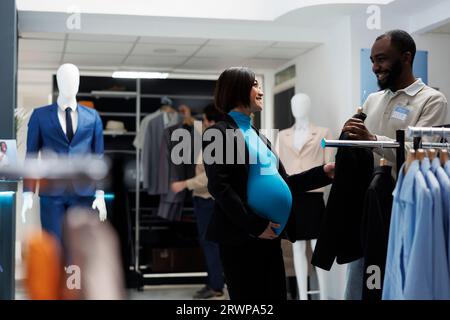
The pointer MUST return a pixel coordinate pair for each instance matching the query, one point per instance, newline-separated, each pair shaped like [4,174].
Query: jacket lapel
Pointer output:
[55,122]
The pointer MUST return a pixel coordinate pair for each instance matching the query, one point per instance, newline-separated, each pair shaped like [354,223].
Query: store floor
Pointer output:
[172,292]
[164,292]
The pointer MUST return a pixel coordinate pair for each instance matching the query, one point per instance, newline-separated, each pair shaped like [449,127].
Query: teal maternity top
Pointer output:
[268,194]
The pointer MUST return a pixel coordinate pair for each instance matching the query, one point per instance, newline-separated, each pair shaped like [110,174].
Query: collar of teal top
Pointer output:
[241,118]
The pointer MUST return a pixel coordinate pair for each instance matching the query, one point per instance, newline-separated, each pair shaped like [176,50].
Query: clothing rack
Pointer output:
[399,145]
[418,132]
[435,145]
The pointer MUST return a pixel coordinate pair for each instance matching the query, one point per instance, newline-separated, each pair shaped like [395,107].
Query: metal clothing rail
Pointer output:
[415,132]
[359,144]
[418,132]
[399,145]
[435,145]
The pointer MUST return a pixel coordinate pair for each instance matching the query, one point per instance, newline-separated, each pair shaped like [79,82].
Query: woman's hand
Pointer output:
[329,169]
[178,186]
[269,234]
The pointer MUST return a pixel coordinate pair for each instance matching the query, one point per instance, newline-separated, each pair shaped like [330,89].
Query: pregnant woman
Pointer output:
[252,192]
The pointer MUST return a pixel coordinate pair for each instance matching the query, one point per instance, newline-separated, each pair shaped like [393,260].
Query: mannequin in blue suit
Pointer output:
[70,130]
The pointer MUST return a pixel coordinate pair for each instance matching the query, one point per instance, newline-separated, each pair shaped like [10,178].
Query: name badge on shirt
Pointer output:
[400,113]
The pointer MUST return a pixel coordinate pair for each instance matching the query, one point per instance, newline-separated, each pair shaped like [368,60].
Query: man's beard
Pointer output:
[394,74]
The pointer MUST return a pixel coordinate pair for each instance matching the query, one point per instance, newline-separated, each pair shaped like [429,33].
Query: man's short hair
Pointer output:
[402,41]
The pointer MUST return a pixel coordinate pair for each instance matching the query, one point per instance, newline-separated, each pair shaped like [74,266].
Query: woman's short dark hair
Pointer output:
[233,88]
[212,113]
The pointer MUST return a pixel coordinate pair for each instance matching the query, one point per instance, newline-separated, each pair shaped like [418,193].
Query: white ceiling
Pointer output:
[110,53]
[206,9]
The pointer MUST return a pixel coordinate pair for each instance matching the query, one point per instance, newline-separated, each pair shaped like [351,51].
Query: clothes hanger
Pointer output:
[383,161]
[411,157]
[431,154]
[443,156]
[420,154]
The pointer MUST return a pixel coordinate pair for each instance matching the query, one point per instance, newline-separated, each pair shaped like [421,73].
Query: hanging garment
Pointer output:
[447,168]
[441,275]
[444,183]
[171,204]
[420,260]
[138,141]
[151,150]
[401,231]
[43,267]
[309,208]
[375,226]
[340,233]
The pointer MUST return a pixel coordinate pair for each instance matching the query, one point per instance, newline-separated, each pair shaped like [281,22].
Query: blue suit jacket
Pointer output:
[45,133]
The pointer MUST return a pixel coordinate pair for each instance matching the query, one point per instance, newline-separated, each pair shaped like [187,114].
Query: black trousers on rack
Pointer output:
[254,270]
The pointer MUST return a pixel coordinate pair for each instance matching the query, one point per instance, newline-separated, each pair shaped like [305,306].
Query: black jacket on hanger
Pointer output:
[375,225]
[233,221]
[171,204]
[340,232]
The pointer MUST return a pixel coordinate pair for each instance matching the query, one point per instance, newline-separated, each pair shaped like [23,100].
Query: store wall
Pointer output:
[324,74]
[438,46]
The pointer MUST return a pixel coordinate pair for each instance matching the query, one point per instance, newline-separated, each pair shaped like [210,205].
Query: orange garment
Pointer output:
[88,104]
[43,267]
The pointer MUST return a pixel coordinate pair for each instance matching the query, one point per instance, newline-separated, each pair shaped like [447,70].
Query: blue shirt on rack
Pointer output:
[267,192]
[419,275]
[444,182]
[441,274]
[447,168]
[401,234]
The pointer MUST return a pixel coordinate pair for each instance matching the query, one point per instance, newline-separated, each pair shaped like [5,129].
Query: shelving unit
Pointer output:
[129,101]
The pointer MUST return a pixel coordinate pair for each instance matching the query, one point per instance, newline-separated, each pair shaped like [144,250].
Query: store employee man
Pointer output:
[402,101]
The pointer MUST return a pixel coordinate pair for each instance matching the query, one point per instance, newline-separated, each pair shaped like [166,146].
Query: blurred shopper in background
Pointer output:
[203,210]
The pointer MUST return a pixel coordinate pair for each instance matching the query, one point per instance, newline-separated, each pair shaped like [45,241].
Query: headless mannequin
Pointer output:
[68,79]
[300,107]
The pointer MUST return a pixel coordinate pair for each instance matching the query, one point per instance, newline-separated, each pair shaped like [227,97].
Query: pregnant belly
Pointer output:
[270,197]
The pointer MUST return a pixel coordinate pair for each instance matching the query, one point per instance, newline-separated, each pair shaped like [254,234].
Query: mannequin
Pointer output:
[300,150]
[86,139]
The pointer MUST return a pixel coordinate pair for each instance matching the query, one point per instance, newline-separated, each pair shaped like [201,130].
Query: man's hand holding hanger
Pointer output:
[357,130]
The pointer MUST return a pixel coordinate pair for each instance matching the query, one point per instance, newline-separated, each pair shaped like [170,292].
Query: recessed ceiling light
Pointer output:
[140,75]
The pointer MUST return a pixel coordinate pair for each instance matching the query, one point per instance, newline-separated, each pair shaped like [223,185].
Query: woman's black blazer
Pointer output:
[233,221]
